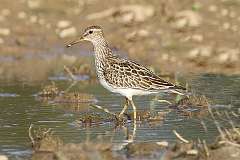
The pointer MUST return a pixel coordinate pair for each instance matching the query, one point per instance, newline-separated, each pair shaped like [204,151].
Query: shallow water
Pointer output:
[19,107]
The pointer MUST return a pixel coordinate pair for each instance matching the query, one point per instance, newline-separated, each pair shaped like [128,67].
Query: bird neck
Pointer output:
[101,49]
[102,52]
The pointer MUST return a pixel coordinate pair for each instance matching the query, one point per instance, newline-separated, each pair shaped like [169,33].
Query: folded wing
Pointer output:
[123,73]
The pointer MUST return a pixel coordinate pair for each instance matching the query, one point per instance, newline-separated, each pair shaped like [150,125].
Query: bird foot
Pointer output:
[120,120]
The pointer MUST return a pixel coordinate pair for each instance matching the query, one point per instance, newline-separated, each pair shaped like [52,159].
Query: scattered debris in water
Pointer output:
[92,118]
[49,91]
[227,146]
[43,139]
[52,94]
[47,146]
[192,105]
[198,101]
[153,118]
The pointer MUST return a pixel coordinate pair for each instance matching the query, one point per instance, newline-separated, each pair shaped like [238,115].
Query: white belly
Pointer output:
[127,92]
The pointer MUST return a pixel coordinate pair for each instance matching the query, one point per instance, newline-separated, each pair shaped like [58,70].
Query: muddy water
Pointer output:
[19,107]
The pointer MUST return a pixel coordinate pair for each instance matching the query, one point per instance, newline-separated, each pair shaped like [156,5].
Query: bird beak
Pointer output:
[74,42]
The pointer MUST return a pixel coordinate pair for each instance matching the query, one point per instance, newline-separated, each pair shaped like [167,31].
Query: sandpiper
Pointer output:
[121,75]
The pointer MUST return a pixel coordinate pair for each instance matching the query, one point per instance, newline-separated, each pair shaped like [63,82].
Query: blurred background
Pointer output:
[191,42]
[170,36]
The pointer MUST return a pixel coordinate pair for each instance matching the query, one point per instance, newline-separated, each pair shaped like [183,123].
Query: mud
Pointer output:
[191,36]
[53,148]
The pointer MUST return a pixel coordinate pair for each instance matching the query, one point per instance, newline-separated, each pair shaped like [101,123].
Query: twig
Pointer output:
[219,129]
[30,134]
[70,86]
[192,152]
[180,137]
[216,123]
[199,141]
[230,143]
[236,130]
[206,148]
[164,101]
[162,143]
[218,114]
[69,73]
[46,132]
[235,114]
[232,124]
[228,134]
[204,126]
[103,109]
[210,111]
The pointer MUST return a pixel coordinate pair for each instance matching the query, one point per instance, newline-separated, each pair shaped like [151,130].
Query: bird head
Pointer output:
[92,34]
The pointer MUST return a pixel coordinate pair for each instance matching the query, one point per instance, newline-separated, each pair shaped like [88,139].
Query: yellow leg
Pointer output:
[134,129]
[130,137]
[125,107]
[134,111]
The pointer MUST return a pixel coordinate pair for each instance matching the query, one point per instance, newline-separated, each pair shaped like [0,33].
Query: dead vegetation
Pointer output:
[93,119]
[49,91]
[43,139]
[192,105]
[55,95]
[226,146]
[192,100]
[47,146]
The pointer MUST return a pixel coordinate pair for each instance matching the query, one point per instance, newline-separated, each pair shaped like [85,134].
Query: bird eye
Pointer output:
[90,32]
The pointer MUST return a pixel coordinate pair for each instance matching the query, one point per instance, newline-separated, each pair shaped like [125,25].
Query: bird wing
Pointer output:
[122,73]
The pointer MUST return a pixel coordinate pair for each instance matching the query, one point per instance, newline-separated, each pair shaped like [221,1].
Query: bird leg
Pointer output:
[130,137]
[124,107]
[134,111]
